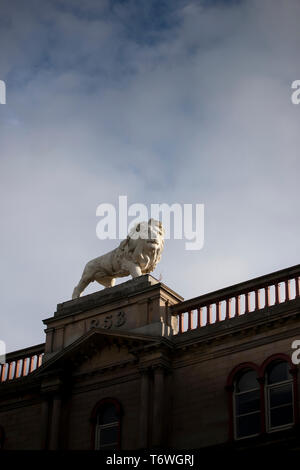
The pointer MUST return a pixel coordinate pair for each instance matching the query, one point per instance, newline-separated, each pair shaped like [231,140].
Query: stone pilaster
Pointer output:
[158,406]
[44,422]
[144,408]
[55,422]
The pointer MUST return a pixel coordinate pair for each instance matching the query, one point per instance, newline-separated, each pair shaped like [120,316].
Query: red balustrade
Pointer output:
[21,363]
[244,298]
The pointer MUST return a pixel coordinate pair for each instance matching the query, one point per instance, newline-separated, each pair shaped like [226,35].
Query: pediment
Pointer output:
[98,348]
[110,355]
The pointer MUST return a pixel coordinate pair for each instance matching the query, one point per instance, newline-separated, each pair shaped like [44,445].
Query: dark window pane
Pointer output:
[247,381]
[107,415]
[247,402]
[281,416]
[281,395]
[108,436]
[248,425]
[278,372]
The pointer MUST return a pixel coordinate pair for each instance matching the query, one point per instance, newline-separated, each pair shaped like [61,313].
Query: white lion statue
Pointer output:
[137,255]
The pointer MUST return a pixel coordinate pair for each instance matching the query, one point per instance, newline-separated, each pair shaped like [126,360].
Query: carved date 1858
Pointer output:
[109,321]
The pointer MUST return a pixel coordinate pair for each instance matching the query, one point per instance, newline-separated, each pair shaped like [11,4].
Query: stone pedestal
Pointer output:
[140,305]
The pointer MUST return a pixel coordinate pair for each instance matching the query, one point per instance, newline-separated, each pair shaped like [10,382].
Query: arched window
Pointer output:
[279,396]
[262,399]
[246,404]
[106,420]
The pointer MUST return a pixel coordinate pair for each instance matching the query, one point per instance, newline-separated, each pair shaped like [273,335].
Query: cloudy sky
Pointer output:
[163,101]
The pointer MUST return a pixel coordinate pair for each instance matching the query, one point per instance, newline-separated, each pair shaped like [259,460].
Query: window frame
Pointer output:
[264,403]
[238,375]
[99,428]
[96,428]
[267,388]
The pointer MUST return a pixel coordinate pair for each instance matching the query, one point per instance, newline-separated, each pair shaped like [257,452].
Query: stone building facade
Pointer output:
[137,367]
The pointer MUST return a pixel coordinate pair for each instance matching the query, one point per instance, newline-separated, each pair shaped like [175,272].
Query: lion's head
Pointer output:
[144,244]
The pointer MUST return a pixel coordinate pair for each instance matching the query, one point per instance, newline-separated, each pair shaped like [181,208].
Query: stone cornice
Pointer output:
[122,292]
[81,387]
[203,355]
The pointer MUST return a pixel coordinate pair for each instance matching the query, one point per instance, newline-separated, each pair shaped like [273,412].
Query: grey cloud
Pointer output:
[195,108]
